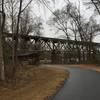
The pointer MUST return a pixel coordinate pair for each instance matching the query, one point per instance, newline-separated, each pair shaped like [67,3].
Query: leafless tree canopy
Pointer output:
[73,24]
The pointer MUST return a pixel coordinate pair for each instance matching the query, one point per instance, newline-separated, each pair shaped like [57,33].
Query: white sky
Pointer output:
[45,15]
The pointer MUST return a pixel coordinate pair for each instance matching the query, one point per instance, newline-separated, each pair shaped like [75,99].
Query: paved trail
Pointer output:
[82,84]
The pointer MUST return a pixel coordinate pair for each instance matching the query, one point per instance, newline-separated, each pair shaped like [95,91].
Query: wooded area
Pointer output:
[16,21]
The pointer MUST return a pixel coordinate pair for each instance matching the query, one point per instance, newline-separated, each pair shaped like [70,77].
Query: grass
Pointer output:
[33,83]
[86,66]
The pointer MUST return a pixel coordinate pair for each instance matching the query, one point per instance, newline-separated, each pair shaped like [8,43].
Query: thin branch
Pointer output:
[96,6]
[26,6]
[59,23]
[4,3]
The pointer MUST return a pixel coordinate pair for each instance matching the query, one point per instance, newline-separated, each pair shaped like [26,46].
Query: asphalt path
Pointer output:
[83,84]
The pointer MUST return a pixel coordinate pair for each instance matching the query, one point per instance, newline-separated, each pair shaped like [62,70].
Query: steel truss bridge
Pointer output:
[61,50]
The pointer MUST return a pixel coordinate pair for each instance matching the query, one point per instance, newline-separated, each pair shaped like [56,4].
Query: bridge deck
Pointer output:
[54,40]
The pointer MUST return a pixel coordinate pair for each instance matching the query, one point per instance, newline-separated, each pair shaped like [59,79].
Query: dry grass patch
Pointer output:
[33,84]
[86,66]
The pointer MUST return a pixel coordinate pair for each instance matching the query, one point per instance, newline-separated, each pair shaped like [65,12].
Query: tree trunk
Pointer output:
[15,40]
[2,67]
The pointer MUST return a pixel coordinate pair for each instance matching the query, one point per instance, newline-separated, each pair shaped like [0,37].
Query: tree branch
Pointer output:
[26,6]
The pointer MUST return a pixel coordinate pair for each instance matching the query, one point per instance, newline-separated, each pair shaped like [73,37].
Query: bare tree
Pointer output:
[11,11]
[75,26]
[2,67]
[37,26]
[96,4]
[15,8]
[60,21]
[29,25]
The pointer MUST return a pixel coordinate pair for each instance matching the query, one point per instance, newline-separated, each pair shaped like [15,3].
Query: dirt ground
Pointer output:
[95,67]
[86,66]
[37,83]
[33,83]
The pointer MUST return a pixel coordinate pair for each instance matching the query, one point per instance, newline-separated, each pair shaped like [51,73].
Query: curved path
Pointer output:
[82,84]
